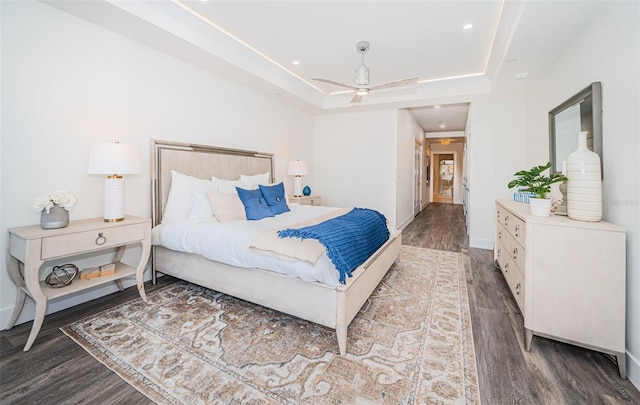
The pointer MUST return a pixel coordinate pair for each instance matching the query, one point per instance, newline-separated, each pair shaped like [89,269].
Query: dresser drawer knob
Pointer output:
[498,253]
[506,220]
[500,234]
[518,288]
[101,239]
[515,253]
[517,230]
[506,267]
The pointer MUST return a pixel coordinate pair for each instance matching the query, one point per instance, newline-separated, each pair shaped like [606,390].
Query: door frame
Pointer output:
[456,175]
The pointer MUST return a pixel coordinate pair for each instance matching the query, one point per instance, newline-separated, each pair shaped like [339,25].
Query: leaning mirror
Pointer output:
[582,112]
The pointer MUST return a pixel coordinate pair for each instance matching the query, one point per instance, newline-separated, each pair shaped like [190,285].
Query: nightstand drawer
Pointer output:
[80,242]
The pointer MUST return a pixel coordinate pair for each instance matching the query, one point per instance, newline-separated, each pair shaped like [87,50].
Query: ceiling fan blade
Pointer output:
[321,79]
[356,99]
[396,83]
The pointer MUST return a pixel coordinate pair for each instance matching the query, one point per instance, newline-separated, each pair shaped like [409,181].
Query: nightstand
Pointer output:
[33,246]
[306,200]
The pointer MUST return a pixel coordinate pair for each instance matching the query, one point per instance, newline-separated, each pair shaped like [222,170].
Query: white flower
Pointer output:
[59,198]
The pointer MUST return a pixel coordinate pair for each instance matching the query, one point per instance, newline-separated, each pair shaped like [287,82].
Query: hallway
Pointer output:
[552,372]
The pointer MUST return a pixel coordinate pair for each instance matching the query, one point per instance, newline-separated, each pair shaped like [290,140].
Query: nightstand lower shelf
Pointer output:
[122,270]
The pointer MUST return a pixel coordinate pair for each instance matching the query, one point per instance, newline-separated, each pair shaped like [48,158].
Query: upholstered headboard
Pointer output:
[199,161]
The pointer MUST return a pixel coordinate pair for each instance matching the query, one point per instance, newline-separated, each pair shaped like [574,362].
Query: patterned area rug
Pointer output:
[411,343]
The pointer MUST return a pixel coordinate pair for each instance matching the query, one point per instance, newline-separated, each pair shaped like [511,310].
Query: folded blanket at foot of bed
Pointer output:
[349,239]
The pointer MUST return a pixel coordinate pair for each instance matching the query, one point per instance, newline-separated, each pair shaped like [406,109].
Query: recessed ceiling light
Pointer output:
[442,126]
[296,62]
[436,106]
[467,26]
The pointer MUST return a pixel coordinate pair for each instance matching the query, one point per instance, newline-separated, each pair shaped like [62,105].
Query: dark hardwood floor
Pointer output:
[58,371]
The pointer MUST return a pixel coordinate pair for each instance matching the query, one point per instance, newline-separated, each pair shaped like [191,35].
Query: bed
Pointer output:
[333,306]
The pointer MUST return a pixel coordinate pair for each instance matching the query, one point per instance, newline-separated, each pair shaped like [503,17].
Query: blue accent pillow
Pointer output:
[254,204]
[274,196]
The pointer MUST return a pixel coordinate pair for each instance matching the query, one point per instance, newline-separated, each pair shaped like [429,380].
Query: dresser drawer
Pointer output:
[79,242]
[515,280]
[517,253]
[514,225]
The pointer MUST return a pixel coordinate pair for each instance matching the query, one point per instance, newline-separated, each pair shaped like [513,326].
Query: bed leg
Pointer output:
[341,332]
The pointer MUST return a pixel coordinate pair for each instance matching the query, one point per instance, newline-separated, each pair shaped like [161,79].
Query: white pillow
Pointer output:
[255,179]
[227,206]
[226,186]
[180,194]
[200,206]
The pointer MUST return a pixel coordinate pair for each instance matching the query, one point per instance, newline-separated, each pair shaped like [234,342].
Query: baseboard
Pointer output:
[481,243]
[29,309]
[404,223]
[633,370]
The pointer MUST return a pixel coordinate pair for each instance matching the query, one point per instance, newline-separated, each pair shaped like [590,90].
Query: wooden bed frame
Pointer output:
[334,307]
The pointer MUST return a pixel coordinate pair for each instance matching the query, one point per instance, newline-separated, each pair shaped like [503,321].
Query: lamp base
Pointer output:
[114,199]
[297,186]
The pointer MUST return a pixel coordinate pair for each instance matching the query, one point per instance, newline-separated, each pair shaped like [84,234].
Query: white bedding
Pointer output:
[228,242]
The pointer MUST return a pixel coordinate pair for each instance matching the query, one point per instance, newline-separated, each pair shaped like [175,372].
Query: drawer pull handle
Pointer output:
[517,229]
[515,253]
[500,234]
[101,239]
[506,220]
[499,251]
[518,289]
[498,214]
[506,267]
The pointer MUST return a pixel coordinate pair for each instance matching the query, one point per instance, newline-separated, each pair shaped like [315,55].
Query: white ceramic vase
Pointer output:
[540,207]
[584,187]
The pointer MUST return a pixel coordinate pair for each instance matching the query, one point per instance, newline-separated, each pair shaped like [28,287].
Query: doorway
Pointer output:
[443,176]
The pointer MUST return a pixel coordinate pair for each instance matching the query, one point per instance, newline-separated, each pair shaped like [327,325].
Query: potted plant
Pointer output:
[534,181]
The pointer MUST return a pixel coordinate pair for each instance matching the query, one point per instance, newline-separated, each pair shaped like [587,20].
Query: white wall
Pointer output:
[355,160]
[408,132]
[608,51]
[67,84]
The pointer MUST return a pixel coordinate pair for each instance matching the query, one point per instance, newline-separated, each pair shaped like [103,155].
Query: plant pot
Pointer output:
[57,217]
[540,207]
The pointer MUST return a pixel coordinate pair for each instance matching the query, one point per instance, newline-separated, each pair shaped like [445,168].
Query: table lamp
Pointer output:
[114,160]
[298,168]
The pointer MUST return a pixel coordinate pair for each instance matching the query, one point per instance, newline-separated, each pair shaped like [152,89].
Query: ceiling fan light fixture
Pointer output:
[362,92]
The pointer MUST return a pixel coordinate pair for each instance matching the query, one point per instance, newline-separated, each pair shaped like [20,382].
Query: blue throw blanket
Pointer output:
[349,239]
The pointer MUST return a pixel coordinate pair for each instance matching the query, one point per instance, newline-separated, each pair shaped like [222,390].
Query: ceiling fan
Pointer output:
[361,86]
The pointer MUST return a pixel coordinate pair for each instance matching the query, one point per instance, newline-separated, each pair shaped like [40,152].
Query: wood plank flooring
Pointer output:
[58,371]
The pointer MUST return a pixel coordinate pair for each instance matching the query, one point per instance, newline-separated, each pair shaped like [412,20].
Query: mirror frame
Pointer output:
[595,91]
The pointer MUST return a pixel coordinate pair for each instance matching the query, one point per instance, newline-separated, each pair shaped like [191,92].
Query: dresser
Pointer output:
[567,277]
[30,247]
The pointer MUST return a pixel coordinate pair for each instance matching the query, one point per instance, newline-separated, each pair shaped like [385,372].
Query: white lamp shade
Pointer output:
[115,158]
[298,168]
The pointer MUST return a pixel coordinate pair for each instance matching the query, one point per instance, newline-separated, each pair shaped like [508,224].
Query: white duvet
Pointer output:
[228,242]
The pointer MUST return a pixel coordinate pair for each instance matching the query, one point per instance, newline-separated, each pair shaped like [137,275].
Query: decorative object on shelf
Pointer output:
[61,276]
[54,209]
[298,168]
[562,208]
[114,160]
[306,190]
[584,189]
[535,182]
[98,271]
